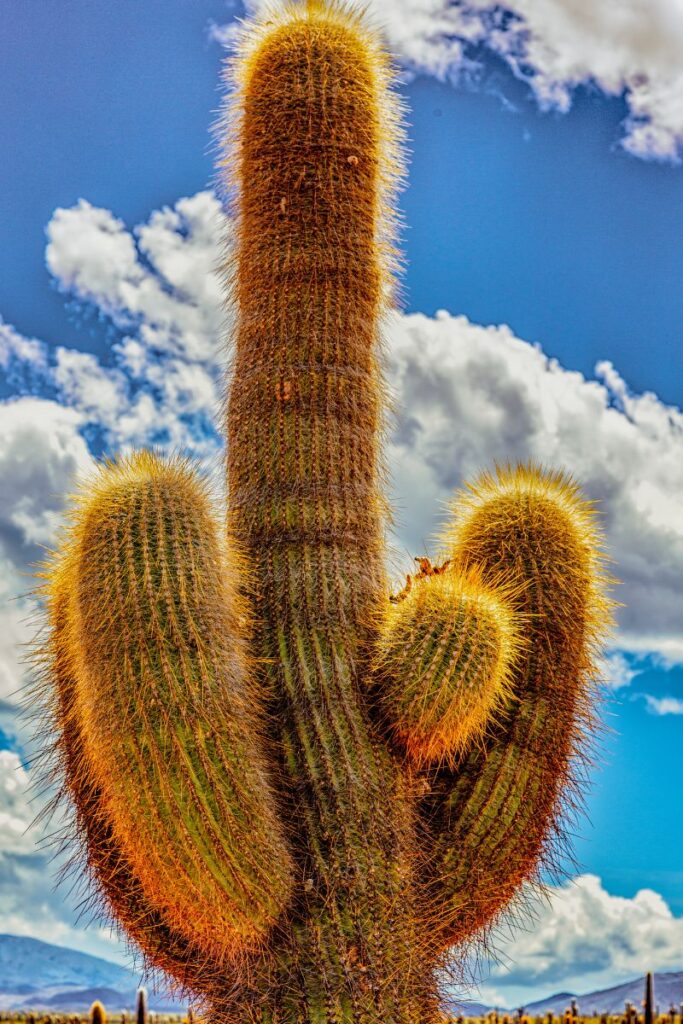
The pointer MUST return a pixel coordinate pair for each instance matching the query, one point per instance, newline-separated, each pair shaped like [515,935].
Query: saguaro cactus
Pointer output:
[295,791]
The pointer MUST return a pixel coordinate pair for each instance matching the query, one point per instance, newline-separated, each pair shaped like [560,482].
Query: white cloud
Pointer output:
[164,277]
[15,814]
[162,285]
[29,904]
[465,396]
[618,671]
[583,939]
[664,705]
[15,349]
[629,47]
[468,395]
[23,361]
[41,455]
[16,630]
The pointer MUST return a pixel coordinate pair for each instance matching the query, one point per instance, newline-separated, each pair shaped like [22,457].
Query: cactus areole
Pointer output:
[297,793]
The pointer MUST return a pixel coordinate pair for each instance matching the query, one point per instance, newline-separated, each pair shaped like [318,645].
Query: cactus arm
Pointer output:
[164,705]
[445,653]
[112,876]
[494,817]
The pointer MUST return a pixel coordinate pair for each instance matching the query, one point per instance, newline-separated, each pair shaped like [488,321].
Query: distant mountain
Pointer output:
[37,975]
[467,1008]
[75,1000]
[25,961]
[668,990]
[553,1004]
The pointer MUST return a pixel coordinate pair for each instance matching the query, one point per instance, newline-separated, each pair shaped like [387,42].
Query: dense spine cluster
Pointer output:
[295,792]
[445,653]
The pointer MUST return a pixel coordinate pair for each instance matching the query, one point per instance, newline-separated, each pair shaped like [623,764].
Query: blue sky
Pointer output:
[559,217]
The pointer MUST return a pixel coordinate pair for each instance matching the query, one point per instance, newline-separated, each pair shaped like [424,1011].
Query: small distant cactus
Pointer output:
[97,1014]
[297,791]
[141,1012]
[649,1003]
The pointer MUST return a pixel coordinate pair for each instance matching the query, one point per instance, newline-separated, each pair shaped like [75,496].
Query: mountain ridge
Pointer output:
[39,975]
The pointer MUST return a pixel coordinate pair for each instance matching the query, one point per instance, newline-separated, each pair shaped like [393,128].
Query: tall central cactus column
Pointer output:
[304,498]
[294,791]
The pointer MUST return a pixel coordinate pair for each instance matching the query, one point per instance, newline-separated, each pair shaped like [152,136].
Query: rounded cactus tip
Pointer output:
[98,1014]
[536,524]
[303,73]
[446,651]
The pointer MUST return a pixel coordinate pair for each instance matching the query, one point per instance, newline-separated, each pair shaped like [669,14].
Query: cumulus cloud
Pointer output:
[464,396]
[29,904]
[630,48]
[664,705]
[16,818]
[163,278]
[583,939]
[468,395]
[23,361]
[41,455]
[618,671]
[161,286]
[16,630]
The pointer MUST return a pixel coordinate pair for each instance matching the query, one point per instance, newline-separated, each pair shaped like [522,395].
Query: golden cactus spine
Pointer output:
[295,794]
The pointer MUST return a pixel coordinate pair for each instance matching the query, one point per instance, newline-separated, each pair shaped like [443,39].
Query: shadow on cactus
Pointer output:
[295,792]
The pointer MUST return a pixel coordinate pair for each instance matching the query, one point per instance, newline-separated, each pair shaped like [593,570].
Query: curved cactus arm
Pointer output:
[445,653]
[116,885]
[164,701]
[495,816]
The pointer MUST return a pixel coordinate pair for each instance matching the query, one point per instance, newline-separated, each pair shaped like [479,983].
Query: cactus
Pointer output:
[141,1014]
[97,1014]
[649,1003]
[294,792]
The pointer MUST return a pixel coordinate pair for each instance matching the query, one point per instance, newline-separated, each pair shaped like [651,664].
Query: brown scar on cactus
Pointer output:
[425,569]
[295,793]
